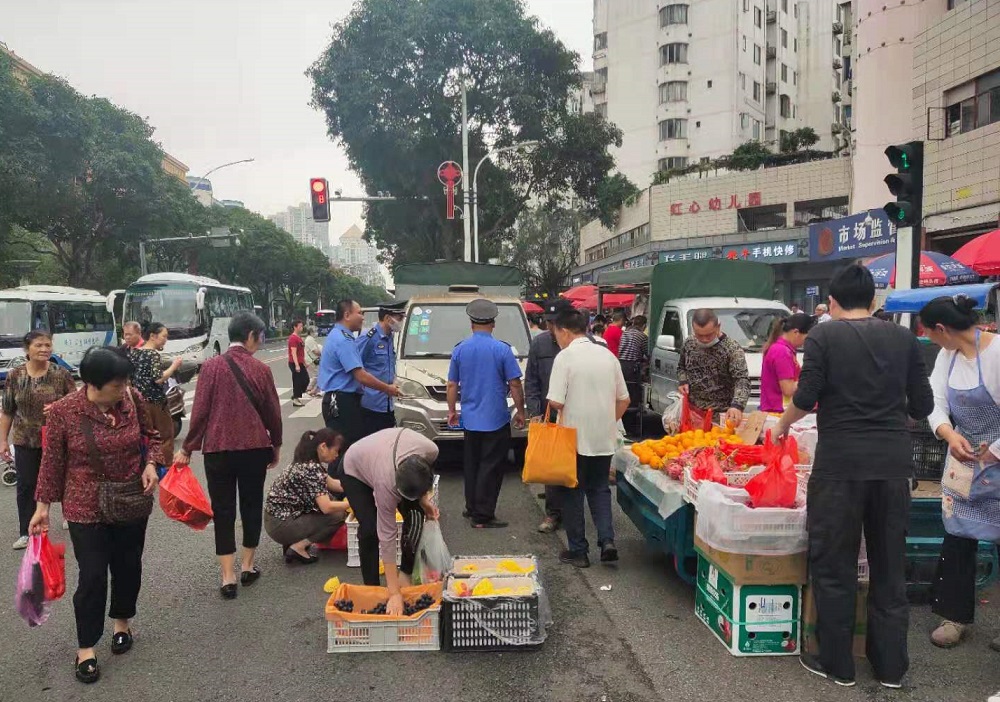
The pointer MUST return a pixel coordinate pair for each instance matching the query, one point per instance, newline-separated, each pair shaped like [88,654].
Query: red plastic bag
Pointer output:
[338,542]
[777,485]
[52,559]
[707,467]
[182,498]
[687,413]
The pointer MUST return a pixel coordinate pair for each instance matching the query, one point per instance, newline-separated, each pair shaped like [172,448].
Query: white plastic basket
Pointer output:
[421,633]
[353,550]
[726,522]
[488,566]
[735,478]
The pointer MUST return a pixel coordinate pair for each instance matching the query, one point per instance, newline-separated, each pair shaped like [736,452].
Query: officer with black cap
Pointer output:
[378,354]
[485,370]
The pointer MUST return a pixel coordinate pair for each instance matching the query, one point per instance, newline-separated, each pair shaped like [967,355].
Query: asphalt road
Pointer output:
[639,641]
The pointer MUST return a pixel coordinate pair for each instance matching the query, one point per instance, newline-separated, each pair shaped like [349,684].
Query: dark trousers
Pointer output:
[838,510]
[372,422]
[348,422]
[229,473]
[300,380]
[632,371]
[100,548]
[485,459]
[27,461]
[362,499]
[954,596]
[592,475]
[553,502]
[316,527]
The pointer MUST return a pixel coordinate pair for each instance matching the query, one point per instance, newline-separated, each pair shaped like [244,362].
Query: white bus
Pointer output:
[195,310]
[76,318]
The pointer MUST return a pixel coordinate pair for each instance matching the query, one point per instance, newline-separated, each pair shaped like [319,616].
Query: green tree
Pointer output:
[546,247]
[389,109]
[746,157]
[798,139]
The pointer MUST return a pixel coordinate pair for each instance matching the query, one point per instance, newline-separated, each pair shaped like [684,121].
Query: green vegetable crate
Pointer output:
[750,620]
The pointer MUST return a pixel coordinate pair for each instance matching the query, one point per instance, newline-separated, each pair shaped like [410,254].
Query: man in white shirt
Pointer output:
[588,389]
[823,313]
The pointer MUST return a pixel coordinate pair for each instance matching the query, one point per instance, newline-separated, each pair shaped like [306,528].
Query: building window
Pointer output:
[674,91]
[784,38]
[758,17]
[838,48]
[786,106]
[673,53]
[746,5]
[756,129]
[744,43]
[744,120]
[673,14]
[756,91]
[672,163]
[977,111]
[795,45]
[709,84]
[784,6]
[795,11]
[673,129]
[756,54]
[952,4]
[600,41]
[795,77]
[743,81]
[784,73]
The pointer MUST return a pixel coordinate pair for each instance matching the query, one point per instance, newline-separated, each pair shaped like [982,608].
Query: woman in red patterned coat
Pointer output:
[100,423]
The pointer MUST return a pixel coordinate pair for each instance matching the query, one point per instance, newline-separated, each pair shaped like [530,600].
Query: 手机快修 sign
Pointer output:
[856,236]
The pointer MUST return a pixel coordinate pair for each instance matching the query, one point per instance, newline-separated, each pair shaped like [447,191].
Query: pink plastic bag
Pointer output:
[29,599]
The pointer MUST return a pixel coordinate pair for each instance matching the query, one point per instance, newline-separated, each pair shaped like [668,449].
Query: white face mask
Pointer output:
[396,325]
[708,345]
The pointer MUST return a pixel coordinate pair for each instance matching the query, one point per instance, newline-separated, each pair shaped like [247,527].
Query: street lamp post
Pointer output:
[226,165]
[465,172]
[475,190]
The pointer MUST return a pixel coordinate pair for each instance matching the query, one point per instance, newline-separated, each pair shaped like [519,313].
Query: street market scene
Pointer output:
[607,389]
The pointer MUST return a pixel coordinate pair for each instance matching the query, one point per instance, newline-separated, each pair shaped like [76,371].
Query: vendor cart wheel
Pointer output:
[9,476]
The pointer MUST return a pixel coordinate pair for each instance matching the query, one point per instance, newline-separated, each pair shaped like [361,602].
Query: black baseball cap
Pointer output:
[557,307]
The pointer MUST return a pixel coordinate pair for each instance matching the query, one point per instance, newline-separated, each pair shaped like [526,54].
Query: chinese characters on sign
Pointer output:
[770,252]
[715,204]
[859,235]
[685,255]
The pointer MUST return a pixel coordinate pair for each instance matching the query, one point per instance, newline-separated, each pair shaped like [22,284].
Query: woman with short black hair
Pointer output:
[150,378]
[100,462]
[30,389]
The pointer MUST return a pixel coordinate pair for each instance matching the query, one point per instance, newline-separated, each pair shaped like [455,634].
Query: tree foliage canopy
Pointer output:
[546,247]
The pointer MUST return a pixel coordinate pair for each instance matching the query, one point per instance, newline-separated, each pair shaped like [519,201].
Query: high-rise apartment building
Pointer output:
[691,81]
[297,220]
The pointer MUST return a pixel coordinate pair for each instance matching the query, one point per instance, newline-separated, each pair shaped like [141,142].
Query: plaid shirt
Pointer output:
[634,346]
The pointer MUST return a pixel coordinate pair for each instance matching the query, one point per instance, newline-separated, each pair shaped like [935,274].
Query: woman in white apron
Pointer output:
[966,384]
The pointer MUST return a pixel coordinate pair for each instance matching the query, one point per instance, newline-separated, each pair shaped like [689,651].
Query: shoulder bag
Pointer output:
[241,380]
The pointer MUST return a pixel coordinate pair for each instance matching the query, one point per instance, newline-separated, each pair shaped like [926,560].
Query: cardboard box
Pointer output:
[809,643]
[749,620]
[756,570]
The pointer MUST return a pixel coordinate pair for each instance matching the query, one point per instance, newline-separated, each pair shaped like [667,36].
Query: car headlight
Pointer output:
[18,361]
[411,388]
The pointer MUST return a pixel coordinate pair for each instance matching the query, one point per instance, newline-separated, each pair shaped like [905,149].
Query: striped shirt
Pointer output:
[634,346]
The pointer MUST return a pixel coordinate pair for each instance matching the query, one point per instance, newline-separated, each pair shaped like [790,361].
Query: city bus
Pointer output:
[325,319]
[195,310]
[76,318]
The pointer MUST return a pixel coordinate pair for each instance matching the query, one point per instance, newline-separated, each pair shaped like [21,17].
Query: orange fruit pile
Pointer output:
[656,453]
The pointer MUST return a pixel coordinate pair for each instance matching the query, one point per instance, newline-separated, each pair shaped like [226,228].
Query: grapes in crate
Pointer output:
[377,609]
[422,603]
[344,605]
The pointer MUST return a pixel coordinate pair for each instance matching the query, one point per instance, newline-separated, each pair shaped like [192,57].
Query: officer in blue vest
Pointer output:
[342,376]
[378,354]
[484,369]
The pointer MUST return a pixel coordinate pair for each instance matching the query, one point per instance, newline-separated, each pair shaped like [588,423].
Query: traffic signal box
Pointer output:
[319,192]
[906,184]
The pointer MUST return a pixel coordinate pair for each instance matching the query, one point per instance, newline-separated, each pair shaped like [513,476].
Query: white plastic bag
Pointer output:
[432,558]
[674,413]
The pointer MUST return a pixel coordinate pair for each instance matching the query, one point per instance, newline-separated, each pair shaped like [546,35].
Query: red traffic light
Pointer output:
[318,185]
[320,202]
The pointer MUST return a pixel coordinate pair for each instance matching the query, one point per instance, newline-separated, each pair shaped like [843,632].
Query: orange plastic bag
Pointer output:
[777,485]
[182,498]
[551,455]
[52,559]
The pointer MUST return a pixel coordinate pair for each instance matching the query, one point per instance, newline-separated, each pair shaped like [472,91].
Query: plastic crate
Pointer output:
[353,632]
[354,552]
[488,566]
[735,478]
[502,623]
[673,536]
[929,452]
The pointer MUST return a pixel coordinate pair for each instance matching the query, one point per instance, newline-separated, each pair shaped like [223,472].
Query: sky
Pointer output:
[222,80]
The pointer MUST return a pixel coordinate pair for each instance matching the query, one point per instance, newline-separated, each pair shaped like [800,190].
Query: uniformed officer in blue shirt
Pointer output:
[378,354]
[342,376]
[484,369]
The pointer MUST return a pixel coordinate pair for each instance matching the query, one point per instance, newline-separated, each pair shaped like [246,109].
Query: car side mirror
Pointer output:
[665,342]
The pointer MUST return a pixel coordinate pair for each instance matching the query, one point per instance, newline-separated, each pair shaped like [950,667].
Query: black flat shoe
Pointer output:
[249,577]
[293,556]
[229,592]
[121,642]
[87,671]
[491,524]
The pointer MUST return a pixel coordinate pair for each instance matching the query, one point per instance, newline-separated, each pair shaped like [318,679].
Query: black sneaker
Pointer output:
[609,553]
[573,559]
[121,642]
[891,684]
[812,664]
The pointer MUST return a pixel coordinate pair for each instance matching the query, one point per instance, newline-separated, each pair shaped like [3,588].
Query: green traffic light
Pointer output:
[901,215]
[905,161]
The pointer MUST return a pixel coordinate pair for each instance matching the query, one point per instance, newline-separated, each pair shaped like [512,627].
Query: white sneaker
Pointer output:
[21,543]
[298,403]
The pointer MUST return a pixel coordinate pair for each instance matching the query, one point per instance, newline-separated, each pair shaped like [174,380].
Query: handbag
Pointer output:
[118,502]
[550,458]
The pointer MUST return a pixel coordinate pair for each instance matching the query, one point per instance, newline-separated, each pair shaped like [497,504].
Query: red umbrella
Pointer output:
[610,300]
[579,292]
[982,254]
[531,307]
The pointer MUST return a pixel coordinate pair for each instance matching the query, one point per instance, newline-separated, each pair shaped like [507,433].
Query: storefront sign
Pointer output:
[733,202]
[812,290]
[685,255]
[857,236]
[770,252]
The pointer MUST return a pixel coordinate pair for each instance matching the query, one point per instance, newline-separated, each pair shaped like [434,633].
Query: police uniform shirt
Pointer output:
[483,365]
[379,358]
[339,361]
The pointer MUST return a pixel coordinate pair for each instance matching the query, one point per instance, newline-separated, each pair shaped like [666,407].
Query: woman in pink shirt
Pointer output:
[779,375]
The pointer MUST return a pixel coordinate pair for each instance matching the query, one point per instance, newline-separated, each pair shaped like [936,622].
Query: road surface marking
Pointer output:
[312,410]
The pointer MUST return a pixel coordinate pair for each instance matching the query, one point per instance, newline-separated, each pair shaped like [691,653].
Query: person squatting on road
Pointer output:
[30,390]
[712,370]
[378,354]
[867,376]
[386,472]
[300,511]
[484,370]
[236,423]
[95,463]
[150,378]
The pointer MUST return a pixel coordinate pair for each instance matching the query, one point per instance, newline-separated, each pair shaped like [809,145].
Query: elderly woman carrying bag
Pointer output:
[100,462]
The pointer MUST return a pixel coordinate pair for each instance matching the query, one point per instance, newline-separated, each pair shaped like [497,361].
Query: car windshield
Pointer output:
[747,327]
[434,330]
[173,306]
[15,319]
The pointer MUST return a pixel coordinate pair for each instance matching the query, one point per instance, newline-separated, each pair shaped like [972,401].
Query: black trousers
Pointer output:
[348,421]
[362,499]
[485,459]
[632,371]
[229,473]
[27,461]
[553,502]
[838,510]
[372,422]
[954,593]
[100,548]
[300,380]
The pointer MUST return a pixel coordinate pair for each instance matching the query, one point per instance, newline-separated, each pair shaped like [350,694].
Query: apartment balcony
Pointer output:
[772,53]
[599,87]
[836,96]
[772,16]
[771,87]
[849,87]
[848,37]
[838,27]
[837,64]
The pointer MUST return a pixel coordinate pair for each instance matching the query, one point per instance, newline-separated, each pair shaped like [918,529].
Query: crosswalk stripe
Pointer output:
[310,411]
[189,396]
